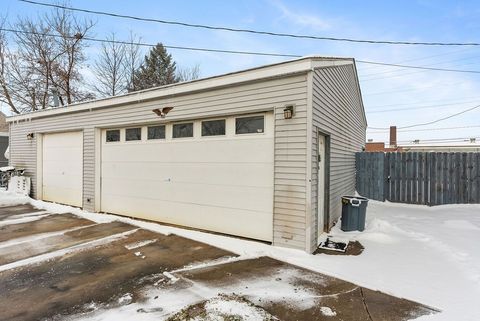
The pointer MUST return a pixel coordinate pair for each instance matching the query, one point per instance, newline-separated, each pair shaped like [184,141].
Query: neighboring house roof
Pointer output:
[301,65]
[3,123]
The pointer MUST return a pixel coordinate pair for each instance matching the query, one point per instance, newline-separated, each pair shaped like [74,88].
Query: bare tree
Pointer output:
[133,61]
[47,55]
[188,73]
[111,68]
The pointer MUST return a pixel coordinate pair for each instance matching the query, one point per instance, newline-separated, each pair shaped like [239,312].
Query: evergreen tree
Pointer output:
[158,69]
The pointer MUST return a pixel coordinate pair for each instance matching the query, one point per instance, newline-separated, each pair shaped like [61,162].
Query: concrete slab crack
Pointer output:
[365,304]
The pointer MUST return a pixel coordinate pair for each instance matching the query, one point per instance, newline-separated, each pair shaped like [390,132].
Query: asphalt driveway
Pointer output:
[59,266]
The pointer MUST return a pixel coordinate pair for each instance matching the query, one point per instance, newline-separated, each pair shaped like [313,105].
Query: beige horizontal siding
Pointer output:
[338,112]
[272,95]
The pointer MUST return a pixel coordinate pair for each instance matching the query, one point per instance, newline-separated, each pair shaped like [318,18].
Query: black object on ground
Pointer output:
[354,210]
[353,248]
[333,246]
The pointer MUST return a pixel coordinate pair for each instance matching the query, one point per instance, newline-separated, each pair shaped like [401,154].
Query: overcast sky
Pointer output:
[430,95]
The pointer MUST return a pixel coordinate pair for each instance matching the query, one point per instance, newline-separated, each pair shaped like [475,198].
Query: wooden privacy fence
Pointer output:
[419,177]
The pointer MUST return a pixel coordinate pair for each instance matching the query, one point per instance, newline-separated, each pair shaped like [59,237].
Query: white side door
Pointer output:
[62,168]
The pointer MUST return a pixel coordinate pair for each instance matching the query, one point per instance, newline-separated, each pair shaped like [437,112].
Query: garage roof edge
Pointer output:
[285,68]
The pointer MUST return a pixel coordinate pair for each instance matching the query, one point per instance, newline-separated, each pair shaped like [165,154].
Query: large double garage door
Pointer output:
[213,174]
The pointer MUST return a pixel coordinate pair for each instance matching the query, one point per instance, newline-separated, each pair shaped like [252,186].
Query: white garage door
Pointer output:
[63,168]
[215,175]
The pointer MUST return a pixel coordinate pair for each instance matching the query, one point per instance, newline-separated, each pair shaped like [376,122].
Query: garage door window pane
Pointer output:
[156,132]
[183,130]
[133,134]
[113,135]
[249,125]
[213,127]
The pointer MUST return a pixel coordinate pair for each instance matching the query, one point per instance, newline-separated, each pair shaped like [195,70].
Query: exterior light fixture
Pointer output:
[30,136]
[162,112]
[288,112]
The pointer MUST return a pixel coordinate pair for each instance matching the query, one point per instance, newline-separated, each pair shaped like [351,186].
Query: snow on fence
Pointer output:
[419,177]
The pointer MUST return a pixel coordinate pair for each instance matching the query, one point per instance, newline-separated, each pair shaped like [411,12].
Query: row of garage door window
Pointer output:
[243,125]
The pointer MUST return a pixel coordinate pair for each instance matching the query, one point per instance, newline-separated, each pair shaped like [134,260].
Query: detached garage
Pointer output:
[263,153]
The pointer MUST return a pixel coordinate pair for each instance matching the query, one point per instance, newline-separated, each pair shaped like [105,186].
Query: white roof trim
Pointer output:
[300,65]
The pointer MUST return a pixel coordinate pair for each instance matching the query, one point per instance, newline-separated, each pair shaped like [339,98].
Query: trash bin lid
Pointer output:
[354,199]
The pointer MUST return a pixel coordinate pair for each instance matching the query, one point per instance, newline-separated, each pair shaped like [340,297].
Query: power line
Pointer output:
[153,45]
[440,140]
[416,67]
[251,31]
[419,58]
[425,129]
[434,141]
[432,122]
[454,101]
[221,50]
[402,73]
[429,65]
[411,108]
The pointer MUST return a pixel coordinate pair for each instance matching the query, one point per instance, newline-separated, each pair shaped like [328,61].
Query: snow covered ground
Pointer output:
[426,254]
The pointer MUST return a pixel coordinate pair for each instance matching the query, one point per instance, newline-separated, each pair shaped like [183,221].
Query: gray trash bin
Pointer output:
[354,210]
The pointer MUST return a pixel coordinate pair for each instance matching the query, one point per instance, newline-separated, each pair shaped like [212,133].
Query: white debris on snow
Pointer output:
[171,277]
[426,254]
[328,312]
[139,244]
[219,307]
[125,299]
[210,263]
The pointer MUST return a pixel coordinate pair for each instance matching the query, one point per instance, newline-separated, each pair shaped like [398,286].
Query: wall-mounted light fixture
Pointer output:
[288,112]
[162,112]
[30,136]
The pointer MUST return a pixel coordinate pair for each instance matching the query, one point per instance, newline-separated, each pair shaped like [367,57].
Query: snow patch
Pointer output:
[37,237]
[125,299]
[425,254]
[58,253]
[328,312]
[136,245]
[217,308]
[22,220]
[171,277]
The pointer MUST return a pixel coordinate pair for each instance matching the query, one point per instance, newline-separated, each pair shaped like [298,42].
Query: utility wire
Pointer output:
[440,140]
[429,65]
[251,31]
[453,102]
[413,108]
[224,51]
[416,67]
[153,45]
[425,129]
[432,122]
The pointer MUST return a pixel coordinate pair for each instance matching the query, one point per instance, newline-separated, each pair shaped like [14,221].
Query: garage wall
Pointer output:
[337,112]
[290,139]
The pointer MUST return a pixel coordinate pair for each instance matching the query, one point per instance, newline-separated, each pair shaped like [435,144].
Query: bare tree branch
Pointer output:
[133,61]
[37,64]
[111,68]
[188,73]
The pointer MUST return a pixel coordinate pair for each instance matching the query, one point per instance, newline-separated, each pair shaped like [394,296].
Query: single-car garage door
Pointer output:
[214,174]
[62,164]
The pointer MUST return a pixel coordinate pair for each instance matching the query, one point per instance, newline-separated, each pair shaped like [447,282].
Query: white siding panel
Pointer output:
[337,112]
